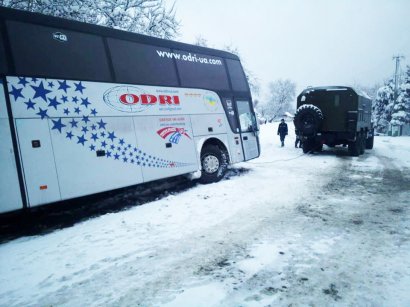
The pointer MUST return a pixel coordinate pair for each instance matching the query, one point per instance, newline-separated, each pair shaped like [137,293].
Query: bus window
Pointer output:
[202,71]
[3,64]
[139,63]
[247,120]
[237,75]
[45,51]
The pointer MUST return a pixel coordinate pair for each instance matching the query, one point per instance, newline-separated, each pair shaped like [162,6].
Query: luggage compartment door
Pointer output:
[38,163]
[10,195]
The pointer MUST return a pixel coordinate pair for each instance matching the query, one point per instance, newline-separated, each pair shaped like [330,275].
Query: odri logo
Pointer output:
[133,99]
[210,101]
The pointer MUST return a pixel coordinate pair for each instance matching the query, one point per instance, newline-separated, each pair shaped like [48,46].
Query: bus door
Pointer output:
[248,131]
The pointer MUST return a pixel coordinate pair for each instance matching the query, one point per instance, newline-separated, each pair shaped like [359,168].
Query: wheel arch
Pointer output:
[213,141]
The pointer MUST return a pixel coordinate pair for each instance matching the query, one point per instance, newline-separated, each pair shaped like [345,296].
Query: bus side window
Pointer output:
[3,64]
[46,51]
[141,64]
[201,71]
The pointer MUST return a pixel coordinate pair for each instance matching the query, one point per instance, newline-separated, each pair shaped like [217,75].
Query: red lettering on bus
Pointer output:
[128,99]
[148,99]
[165,99]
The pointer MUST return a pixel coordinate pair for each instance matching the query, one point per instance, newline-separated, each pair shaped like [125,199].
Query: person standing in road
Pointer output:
[282,131]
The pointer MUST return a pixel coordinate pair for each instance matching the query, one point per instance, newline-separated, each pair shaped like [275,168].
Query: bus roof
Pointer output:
[62,23]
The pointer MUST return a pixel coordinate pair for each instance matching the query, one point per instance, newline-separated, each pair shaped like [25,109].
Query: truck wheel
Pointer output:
[353,148]
[308,119]
[370,142]
[307,146]
[362,143]
[214,163]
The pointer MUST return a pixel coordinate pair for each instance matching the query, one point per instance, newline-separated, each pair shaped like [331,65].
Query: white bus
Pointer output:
[86,109]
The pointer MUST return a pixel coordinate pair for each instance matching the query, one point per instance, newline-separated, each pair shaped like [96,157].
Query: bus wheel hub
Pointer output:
[210,164]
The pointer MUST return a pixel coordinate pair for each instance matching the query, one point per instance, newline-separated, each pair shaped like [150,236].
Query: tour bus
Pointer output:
[86,109]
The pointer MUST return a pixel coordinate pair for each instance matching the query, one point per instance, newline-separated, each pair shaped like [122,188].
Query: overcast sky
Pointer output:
[313,42]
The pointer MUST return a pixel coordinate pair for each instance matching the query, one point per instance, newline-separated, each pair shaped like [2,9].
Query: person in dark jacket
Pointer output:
[282,131]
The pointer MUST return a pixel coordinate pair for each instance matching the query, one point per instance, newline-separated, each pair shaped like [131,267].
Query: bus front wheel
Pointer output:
[214,163]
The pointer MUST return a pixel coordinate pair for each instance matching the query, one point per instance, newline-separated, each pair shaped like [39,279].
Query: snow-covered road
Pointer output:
[323,229]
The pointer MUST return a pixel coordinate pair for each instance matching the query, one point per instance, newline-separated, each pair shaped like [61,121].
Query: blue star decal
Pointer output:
[116,156]
[94,136]
[92,147]
[81,139]
[85,119]
[112,146]
[30,104]
[102,134]
[108,154]
[40,91]
[122,142]
[103,144]
[94,112]
[93,127]
[69,135]
[84,129]
[23,81]
[101,124]
[42,113]
[50,84]
[73,123]
[77,110]
[53,103]
[34,80]
[57,125]
[63,85]
[111,136]
[85,102]
[66,112]
[74,99]
[16,92]
[79,87]
[64,98]
[124,159]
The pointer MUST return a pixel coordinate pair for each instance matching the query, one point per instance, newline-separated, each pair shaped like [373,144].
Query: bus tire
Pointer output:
[214,163]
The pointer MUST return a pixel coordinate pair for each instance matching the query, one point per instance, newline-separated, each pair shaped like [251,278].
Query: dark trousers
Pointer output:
[282,139]
[298,141]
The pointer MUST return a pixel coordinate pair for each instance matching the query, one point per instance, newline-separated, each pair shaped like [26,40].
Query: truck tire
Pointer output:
[354,147]
[214,163]
[307,146]
[370,142]
[308,119]
[362,143]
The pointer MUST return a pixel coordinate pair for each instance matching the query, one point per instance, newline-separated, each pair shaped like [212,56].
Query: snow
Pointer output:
[290,230]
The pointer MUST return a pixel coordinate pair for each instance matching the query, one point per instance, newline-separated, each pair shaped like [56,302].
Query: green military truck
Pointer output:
[334,115]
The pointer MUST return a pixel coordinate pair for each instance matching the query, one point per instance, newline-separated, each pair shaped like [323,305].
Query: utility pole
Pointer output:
[395,94]
[396,74]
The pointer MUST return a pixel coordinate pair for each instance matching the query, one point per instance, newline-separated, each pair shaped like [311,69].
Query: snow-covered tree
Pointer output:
[383,106]
[401,110]
[281,99]
[150,17]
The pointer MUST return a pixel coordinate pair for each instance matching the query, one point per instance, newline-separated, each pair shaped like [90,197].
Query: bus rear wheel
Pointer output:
[214,163]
